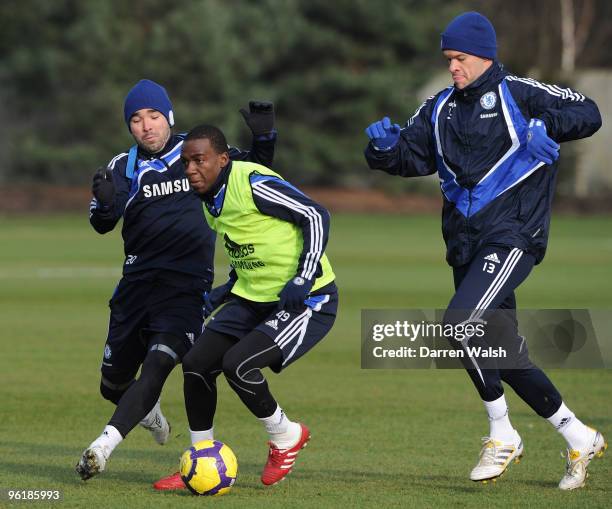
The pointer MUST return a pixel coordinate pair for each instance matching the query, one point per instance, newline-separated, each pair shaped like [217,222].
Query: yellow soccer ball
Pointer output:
[209,468]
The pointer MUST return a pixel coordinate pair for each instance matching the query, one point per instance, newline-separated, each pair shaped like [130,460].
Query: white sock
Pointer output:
[108,440]
[284,433]
[576,434]
[500,427]
[198,436]
[150,417]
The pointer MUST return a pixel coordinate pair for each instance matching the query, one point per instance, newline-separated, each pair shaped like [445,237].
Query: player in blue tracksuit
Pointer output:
[493,138]
[156,309]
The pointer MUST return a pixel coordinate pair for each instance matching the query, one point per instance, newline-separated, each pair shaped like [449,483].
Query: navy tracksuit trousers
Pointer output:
[483,286]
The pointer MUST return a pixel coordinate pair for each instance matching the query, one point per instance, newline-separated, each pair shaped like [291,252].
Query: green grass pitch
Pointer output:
[380,438]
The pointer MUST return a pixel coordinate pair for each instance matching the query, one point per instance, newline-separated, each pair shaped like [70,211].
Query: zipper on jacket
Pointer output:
[467,153]
[467,221]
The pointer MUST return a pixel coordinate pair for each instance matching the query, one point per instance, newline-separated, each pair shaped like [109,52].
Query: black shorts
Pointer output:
[143,307]
[294,333]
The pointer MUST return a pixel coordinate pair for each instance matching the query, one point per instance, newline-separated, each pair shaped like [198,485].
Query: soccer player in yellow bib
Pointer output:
[281,296]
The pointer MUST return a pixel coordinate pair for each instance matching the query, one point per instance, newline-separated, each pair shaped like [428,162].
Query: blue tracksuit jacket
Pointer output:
[164,228]
[494,192]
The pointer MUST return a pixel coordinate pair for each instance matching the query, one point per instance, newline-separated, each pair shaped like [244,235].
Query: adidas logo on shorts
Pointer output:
[273,324]
[492,258]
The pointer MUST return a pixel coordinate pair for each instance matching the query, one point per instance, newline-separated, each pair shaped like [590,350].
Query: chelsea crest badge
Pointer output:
[488,100]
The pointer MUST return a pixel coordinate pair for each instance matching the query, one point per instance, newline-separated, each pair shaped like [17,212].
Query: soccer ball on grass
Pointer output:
[209,467]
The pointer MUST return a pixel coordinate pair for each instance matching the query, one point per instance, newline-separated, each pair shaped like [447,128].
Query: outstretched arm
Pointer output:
[409,151]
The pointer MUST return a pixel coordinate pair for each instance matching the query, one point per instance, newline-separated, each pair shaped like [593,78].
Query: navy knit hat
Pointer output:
[148,94]
[471,33]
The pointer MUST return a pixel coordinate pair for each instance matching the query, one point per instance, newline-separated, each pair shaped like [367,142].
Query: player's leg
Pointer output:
[123,355]
[484,285]
[242,365]
[175,320]
[200,369]
[537,390]
[159,319]
[123,350]
[204,363]
[201,366]
[280,339]
[583,442]
[139,404]
[526,379]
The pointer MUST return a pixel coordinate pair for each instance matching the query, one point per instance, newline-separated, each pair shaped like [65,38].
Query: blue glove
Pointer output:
[216,297]
[293,295]
[383,134]
[539,144]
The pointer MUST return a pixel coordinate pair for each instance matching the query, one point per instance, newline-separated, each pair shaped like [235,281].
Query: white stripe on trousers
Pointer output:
[297,328]
[490,293]
[502,276]
[300,338]
[285,337]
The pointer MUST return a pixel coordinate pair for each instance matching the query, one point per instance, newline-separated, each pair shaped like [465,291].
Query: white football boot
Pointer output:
[578,461]
[495,457]
[93,461]
[157,424]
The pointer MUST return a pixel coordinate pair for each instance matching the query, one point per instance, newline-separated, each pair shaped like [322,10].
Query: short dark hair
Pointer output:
[211,133]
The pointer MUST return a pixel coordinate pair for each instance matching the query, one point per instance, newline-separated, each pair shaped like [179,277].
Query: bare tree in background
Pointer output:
[568,37]
[574,36]
[551,37]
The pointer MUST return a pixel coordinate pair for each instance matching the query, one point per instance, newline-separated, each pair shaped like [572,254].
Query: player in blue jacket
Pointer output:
[493,138]
[156,309]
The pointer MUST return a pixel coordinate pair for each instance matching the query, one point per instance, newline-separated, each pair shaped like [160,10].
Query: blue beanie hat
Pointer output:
[148,94]
[471,33]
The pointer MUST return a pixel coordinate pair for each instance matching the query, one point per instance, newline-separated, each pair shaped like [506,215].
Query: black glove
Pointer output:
[293,295]
[216,297]
[259,118]
[103,187]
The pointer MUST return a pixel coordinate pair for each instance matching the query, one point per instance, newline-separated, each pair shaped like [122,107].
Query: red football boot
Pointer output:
[280,461]
[171,482]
